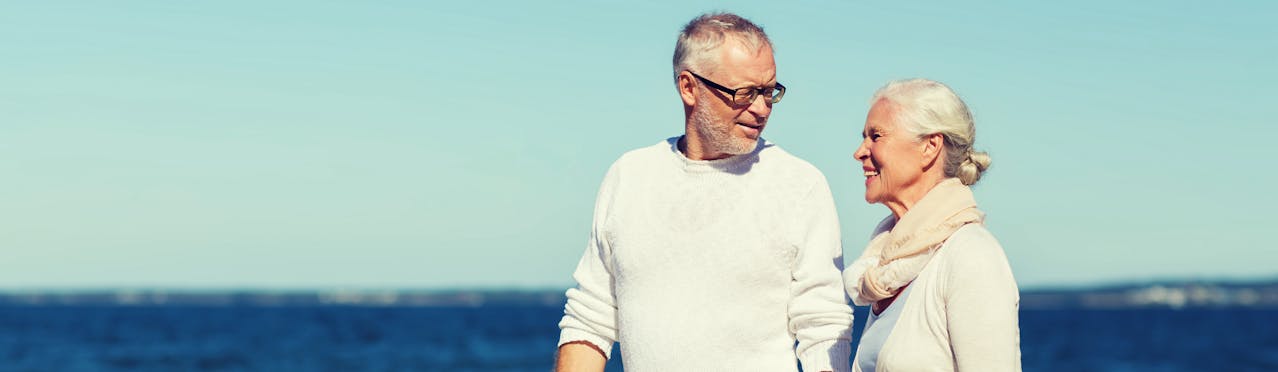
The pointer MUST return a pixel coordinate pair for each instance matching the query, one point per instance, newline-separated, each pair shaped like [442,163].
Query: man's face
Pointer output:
[721,126]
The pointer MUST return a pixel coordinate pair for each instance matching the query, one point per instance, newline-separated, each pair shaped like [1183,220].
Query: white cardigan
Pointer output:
[961,314]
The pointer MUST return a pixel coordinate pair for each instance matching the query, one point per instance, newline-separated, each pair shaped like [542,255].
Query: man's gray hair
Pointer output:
[925,107]
[703,35]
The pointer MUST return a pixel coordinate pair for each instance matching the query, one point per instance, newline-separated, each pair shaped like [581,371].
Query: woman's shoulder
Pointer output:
[973,241]
[972,255]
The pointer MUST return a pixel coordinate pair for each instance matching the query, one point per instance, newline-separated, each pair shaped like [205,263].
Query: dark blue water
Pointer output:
[74,338]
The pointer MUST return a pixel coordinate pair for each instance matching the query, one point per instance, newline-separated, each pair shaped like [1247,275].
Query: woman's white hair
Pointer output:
[704,34]
[926,107]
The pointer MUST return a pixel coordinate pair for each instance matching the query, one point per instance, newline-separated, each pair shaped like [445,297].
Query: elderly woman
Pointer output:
[941,292]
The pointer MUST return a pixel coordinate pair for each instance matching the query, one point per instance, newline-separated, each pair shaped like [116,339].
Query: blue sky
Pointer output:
[433,145]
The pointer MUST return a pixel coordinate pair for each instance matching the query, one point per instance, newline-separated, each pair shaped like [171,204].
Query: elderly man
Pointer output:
[714,250]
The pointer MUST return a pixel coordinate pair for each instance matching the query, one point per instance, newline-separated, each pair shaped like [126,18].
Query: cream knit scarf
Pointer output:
[895,256]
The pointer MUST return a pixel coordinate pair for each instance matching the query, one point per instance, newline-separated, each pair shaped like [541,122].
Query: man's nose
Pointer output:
[761,106]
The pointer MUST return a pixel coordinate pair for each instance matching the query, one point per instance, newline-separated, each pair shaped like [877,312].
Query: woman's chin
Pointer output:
[872,194]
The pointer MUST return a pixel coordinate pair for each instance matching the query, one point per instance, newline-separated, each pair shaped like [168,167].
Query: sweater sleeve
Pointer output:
[819,313]
[982,301]
[591,311]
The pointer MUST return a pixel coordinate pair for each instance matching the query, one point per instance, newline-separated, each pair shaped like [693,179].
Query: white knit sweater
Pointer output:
[713,265]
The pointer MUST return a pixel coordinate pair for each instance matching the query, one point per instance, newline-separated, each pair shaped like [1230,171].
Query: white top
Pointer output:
[961,315]
[713,265]
[877,329]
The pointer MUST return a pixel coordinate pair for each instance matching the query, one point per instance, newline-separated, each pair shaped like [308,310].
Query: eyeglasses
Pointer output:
[745,96]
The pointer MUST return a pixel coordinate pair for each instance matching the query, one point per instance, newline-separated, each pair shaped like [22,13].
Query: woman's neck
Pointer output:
[911,195]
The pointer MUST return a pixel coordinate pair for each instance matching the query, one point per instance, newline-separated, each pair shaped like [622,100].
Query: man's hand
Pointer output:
[580,356]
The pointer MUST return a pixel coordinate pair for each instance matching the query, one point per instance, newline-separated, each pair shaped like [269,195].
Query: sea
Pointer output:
[74,338]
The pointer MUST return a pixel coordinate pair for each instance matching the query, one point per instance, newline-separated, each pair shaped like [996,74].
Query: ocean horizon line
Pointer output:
[1175,294]
[270,288]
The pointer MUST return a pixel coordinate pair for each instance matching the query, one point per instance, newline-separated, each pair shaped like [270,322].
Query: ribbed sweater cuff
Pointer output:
[572,334]
[832,355]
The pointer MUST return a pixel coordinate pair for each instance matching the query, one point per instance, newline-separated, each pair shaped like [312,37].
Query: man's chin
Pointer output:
[744,146]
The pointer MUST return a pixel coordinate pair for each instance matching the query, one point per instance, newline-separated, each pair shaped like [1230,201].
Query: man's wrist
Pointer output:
[589,344]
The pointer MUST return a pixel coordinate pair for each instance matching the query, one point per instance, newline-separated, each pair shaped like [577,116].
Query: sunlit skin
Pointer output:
[899,167]
[739,67]
[580,356]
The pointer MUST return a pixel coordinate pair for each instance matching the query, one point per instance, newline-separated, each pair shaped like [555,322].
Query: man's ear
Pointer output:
[686,86]
[932,146]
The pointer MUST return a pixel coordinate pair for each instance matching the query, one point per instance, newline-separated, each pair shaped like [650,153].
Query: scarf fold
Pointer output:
[900,249]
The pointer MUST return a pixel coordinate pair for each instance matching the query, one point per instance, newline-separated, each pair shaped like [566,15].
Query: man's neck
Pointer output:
[694,151]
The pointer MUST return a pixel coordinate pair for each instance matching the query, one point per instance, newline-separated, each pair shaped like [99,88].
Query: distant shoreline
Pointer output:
[1175,295]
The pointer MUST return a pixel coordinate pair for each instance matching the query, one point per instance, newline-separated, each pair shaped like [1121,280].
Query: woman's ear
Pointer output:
[932,147]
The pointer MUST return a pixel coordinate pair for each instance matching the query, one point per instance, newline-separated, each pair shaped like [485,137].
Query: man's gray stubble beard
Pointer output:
[718,136]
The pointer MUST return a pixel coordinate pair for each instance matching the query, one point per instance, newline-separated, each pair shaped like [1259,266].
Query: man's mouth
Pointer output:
[871,173]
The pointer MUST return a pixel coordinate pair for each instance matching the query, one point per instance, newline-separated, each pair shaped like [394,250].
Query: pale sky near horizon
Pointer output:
[402,144]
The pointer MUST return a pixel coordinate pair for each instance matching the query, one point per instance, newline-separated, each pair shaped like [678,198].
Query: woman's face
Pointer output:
[891,157]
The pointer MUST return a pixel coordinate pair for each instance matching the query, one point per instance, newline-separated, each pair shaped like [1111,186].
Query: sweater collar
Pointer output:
[737,164]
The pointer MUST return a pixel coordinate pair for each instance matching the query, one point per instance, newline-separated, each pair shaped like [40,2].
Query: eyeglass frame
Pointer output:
[755,92]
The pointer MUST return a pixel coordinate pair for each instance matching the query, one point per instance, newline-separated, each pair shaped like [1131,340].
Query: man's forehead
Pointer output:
[747,64]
